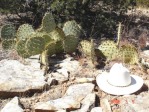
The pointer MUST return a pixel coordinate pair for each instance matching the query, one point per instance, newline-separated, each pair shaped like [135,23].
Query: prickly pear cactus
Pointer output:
[24,31]
[57,34]
[8,32]
[8,44]
[109,50]
[48,23]
[72,28]
[35,45]
[44,57]
[21,50]
[128,54]
[86,47]
[70,43]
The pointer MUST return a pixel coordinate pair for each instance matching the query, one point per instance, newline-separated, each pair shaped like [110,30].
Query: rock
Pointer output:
[80,89]
[70,65]
[60,78]
[71,100]
[87,103]
[17,78]
[96,109]
[105,105]
[67,102]
[138,103]
[12,106]
[33,61]
[84,80]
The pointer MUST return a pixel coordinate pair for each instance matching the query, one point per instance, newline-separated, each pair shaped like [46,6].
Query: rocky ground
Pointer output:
[70,86]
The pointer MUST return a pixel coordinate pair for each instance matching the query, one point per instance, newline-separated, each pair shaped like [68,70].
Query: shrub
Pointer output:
[97,17]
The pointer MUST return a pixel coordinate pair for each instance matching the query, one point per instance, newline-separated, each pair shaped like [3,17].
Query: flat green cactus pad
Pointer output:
[70,43]
[129,54]
[35,45]
[24,31]
[49,51]
[21,50]
[86,47]
[48,23]
[57,34]
[8,43]
[8,32]
[109,50]
[72,28]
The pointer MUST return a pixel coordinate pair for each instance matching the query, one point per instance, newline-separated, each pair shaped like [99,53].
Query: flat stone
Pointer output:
[84,80]
[67,102]
[105,105]
[138,103]
[80,89]
[87,103]
[12,106]
[60,78]
[96,109]
[72,66]
[16,78]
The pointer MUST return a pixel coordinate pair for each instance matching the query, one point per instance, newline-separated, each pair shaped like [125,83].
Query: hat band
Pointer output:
[118,86]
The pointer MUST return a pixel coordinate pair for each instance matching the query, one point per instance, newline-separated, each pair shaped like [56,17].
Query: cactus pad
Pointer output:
[8,43]
[8,32]
[35,45]
[24,31]
[86,47]
[57,34]
[48,23]
[109,50]
[72,28]
[129,54]
[21,50]
[49,51]
[70,43]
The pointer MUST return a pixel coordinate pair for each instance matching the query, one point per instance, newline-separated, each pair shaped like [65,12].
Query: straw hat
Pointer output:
[119,81]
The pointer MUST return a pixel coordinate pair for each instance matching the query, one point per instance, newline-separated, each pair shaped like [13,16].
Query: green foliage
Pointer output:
[85,47]
[35,45]
[129,54]
[8,32]
[48,23]
[8,44]
[8,36]
[24,31]
[72,28]
[57,34]
[21,49]
[109,49]
[70,43]
[104,14]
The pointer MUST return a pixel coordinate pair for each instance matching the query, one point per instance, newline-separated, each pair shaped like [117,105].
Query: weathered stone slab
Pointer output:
[80,89]
[12,106]
[67,102]
[87,103]
[17,78]
[96,109]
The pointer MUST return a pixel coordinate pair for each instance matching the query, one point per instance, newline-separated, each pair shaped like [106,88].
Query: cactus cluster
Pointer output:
[47,40]
[111,50]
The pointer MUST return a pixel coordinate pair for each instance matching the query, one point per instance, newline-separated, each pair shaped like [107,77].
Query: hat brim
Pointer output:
[136,84]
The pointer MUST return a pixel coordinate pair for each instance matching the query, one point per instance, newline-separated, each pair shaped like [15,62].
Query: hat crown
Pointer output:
[119,75]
